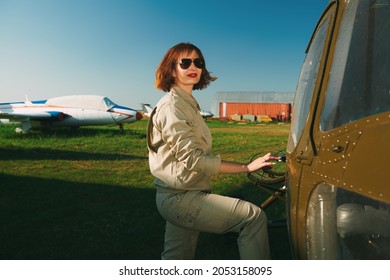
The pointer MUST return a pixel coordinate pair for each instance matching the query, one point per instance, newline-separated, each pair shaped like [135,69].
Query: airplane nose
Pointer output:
[138,116]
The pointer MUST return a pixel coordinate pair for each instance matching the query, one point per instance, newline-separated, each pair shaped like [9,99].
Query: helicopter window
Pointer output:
[305,88]
[348,225]
[359,85]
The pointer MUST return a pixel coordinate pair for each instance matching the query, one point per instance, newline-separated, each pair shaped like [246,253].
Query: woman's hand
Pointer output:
[261,162]
[235,167]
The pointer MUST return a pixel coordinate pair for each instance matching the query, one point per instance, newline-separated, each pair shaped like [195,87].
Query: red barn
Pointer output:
[276,105]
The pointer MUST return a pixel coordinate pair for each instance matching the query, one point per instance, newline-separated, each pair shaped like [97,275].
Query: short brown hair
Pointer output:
[164,78]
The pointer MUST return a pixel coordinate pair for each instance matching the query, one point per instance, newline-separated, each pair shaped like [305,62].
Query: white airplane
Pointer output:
[66,111]
[206,114]
[148,110]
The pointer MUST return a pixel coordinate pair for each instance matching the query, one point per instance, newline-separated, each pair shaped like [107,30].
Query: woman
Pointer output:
[180,159]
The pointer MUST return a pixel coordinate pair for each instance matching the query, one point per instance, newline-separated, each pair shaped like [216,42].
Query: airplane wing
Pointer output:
[34,116]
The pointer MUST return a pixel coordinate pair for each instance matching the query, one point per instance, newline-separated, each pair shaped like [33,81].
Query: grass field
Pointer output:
[88,193]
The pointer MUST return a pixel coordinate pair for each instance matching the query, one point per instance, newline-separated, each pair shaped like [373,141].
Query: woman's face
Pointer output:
[188,70]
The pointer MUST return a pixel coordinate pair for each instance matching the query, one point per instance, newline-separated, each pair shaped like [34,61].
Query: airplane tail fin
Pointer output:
[27,101]
[147,109]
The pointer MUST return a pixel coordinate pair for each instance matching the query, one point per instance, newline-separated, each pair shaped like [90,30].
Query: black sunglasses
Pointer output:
[185,63]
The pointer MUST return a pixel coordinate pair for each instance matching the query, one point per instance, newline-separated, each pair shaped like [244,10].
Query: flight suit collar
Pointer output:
[187,97]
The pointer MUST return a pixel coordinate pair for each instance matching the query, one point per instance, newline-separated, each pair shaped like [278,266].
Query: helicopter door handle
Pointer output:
[338,149]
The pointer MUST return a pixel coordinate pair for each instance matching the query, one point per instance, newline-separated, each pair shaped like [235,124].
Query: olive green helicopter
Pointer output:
[334,181]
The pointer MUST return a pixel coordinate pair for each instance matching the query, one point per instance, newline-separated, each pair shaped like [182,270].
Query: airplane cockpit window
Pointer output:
[305,88]
[345,225]
[359,83]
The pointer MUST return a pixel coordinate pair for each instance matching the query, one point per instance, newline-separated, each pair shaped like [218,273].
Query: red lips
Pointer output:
[192,75]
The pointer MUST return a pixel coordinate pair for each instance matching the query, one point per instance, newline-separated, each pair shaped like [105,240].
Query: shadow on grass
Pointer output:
[54,219]
[15,153]
[60,220]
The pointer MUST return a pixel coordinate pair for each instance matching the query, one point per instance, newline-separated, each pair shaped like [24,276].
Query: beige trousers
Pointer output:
[191,212]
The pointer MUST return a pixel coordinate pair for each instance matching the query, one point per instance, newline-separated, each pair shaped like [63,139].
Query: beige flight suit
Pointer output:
[179,143]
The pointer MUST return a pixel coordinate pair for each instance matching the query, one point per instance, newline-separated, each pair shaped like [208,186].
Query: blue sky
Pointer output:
[112,47]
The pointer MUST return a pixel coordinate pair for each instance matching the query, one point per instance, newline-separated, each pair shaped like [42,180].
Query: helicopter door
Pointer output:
[300,147]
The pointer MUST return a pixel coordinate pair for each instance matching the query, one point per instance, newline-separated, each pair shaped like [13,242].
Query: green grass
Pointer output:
[88,193]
